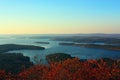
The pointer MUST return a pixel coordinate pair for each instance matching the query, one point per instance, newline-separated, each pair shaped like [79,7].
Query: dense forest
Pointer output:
[14,62]
[66,68]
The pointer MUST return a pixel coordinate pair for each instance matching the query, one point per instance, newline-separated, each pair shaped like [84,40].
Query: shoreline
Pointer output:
[11,47]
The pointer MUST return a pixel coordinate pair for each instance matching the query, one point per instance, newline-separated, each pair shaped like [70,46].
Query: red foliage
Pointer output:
[71,69]
[2,74]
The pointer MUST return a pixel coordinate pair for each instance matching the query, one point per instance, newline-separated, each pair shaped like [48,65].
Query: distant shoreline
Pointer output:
[108,47]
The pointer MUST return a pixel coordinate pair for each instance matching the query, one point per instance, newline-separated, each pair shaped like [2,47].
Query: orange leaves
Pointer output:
[71,69]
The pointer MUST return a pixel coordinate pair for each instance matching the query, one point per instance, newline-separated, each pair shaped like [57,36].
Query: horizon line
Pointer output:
[55,33]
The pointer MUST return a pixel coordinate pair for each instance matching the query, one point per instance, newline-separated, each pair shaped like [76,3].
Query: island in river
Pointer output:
[11,47]
[42,42]
[57,57]
[109,47]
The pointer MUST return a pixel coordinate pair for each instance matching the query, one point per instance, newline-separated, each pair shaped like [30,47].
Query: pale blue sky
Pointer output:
[59,16]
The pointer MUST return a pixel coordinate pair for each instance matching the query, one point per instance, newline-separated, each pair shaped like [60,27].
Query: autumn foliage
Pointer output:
[70,69]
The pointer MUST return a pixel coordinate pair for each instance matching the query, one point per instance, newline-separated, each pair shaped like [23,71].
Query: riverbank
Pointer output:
[11,47]
[109,47]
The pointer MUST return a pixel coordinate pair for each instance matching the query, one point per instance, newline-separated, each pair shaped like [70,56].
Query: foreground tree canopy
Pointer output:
[14,62]
[70,69]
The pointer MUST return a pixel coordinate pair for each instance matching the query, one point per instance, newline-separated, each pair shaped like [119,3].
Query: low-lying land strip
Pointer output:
[42,42]
[11,47]
[109,47]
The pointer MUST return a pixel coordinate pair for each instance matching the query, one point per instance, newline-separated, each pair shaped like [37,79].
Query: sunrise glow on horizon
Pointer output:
[59,16]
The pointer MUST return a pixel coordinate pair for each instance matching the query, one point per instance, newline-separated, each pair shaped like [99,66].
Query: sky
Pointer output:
[59,16]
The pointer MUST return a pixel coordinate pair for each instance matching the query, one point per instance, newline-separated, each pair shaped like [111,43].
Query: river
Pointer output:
[54,47]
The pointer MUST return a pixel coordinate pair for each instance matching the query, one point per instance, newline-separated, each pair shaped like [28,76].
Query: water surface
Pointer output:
[54,47]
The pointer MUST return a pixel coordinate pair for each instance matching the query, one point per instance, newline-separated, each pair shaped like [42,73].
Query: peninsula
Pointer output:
[11,47]
[108,47]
